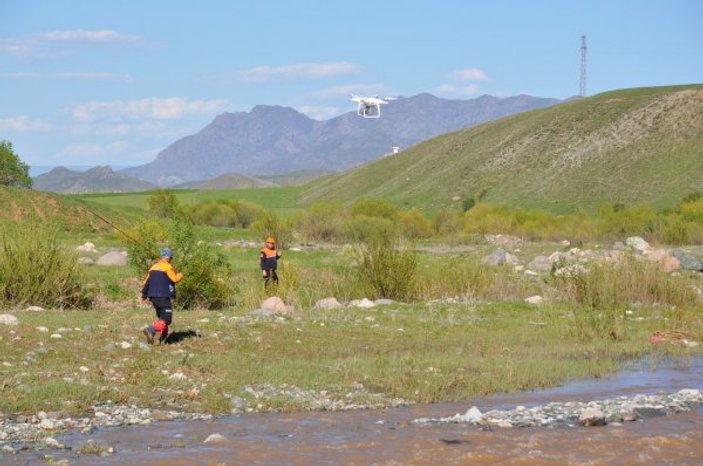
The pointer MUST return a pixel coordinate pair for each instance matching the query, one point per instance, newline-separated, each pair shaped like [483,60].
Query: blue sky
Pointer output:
[103,82]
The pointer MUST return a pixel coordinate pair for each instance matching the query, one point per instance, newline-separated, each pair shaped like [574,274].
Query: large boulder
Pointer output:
[113,258]
[274,303]
[591,417]
[688,262]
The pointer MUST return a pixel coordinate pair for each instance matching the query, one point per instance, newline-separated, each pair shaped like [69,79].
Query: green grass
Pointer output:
[282,200]
[421,353]
[633,146]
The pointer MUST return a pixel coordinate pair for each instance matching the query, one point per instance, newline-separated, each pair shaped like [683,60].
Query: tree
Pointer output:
[163,203]
[13,172]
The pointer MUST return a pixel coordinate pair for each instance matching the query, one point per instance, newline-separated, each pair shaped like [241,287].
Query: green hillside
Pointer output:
[22,206]
[629,146]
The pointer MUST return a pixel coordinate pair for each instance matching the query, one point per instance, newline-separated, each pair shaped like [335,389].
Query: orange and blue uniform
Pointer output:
[268,258]
[159,287]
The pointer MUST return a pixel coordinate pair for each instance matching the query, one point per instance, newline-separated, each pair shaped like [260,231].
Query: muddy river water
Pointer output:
[388,437]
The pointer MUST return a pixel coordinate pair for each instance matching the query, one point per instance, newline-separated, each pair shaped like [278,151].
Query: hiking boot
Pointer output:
[149,336]
[163,338]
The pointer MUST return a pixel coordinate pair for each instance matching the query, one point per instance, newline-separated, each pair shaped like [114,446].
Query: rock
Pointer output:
[534,300]
[328,303]
[511,259]
[34,309]
[362,303]
[571,271]
[498,257]
[215,438]
[125,345]
[591,417]
[645,412]
[51,442]
[473,415]
[274,303]
[86,261]
[8,450]
[688,262]
[56,336]
[540,264]
[637,243]
[618,246]
[9,319]
[383,302]
[263,312]
[669,264]
[47,424]
[113,258]
[655,254]
[41,328]
[178,376]
[503,240]
[87,247]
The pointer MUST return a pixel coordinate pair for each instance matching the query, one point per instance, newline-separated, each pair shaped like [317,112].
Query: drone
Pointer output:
[370,107]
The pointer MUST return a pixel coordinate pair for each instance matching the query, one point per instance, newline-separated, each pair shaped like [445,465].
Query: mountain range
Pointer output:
[94,180]
[274,140]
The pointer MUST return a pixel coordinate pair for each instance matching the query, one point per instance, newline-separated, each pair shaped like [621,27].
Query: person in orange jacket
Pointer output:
[268,258]
[159,287]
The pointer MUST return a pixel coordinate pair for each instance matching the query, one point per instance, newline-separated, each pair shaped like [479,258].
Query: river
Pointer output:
[388,437]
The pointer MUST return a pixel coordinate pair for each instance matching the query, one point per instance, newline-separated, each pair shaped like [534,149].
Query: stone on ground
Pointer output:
[637,243]
[591,417]
[113,258]
[9,319]
[328,303]
[534,300]
[215,438]
[688,262]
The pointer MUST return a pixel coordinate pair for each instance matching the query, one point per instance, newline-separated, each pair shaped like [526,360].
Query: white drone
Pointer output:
[370,107]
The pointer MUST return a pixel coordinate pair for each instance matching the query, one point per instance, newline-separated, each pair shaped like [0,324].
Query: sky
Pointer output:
[86,83]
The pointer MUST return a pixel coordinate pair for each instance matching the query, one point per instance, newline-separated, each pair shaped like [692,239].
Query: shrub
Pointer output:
[467,203]
[363,229]
[446,222]
[321,222]
[206,272]
[270,224]
[13,172]
[374,208]
[36,270]
[390,271]
[163,203]
[414,225]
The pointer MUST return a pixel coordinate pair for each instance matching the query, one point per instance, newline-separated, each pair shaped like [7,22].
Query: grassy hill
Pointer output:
[629,146]
[227,181]
[22,206]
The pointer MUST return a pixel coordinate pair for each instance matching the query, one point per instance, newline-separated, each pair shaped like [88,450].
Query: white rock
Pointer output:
[637,243]
[112,258]
[473,414]
[83,369]
[87,247]
[86,261]
[362,303]
[328,303]
[215,438]
[9,319]
[295,249]
[178,376]
[53,443]
[383,302]
[34,309]
[125,345]
[534,300]
[41,328]
[56,336]
[47,424]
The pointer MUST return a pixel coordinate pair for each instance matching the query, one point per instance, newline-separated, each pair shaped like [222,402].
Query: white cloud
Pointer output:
[82,151]
[320,112]
[261,74]
[456,91]
[95,75]
[51,44]
[152,108]
[20,75]
[85,36]
[24,124]
[346,90]
[470,74]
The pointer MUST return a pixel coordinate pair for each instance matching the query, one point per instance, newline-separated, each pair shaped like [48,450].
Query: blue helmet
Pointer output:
[166,253]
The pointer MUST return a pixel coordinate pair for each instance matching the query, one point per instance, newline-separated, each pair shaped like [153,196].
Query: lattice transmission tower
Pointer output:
[582,83]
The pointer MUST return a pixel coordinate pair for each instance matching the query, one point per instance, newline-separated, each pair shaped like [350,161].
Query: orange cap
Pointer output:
[270,240]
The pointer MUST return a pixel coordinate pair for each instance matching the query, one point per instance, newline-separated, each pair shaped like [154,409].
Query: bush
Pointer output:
[163,203]
[414,225]
[446,222]
[270,224]
[363,229]
[206,273]
[36,270]
[390,271]
[374,208]
[321,222]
